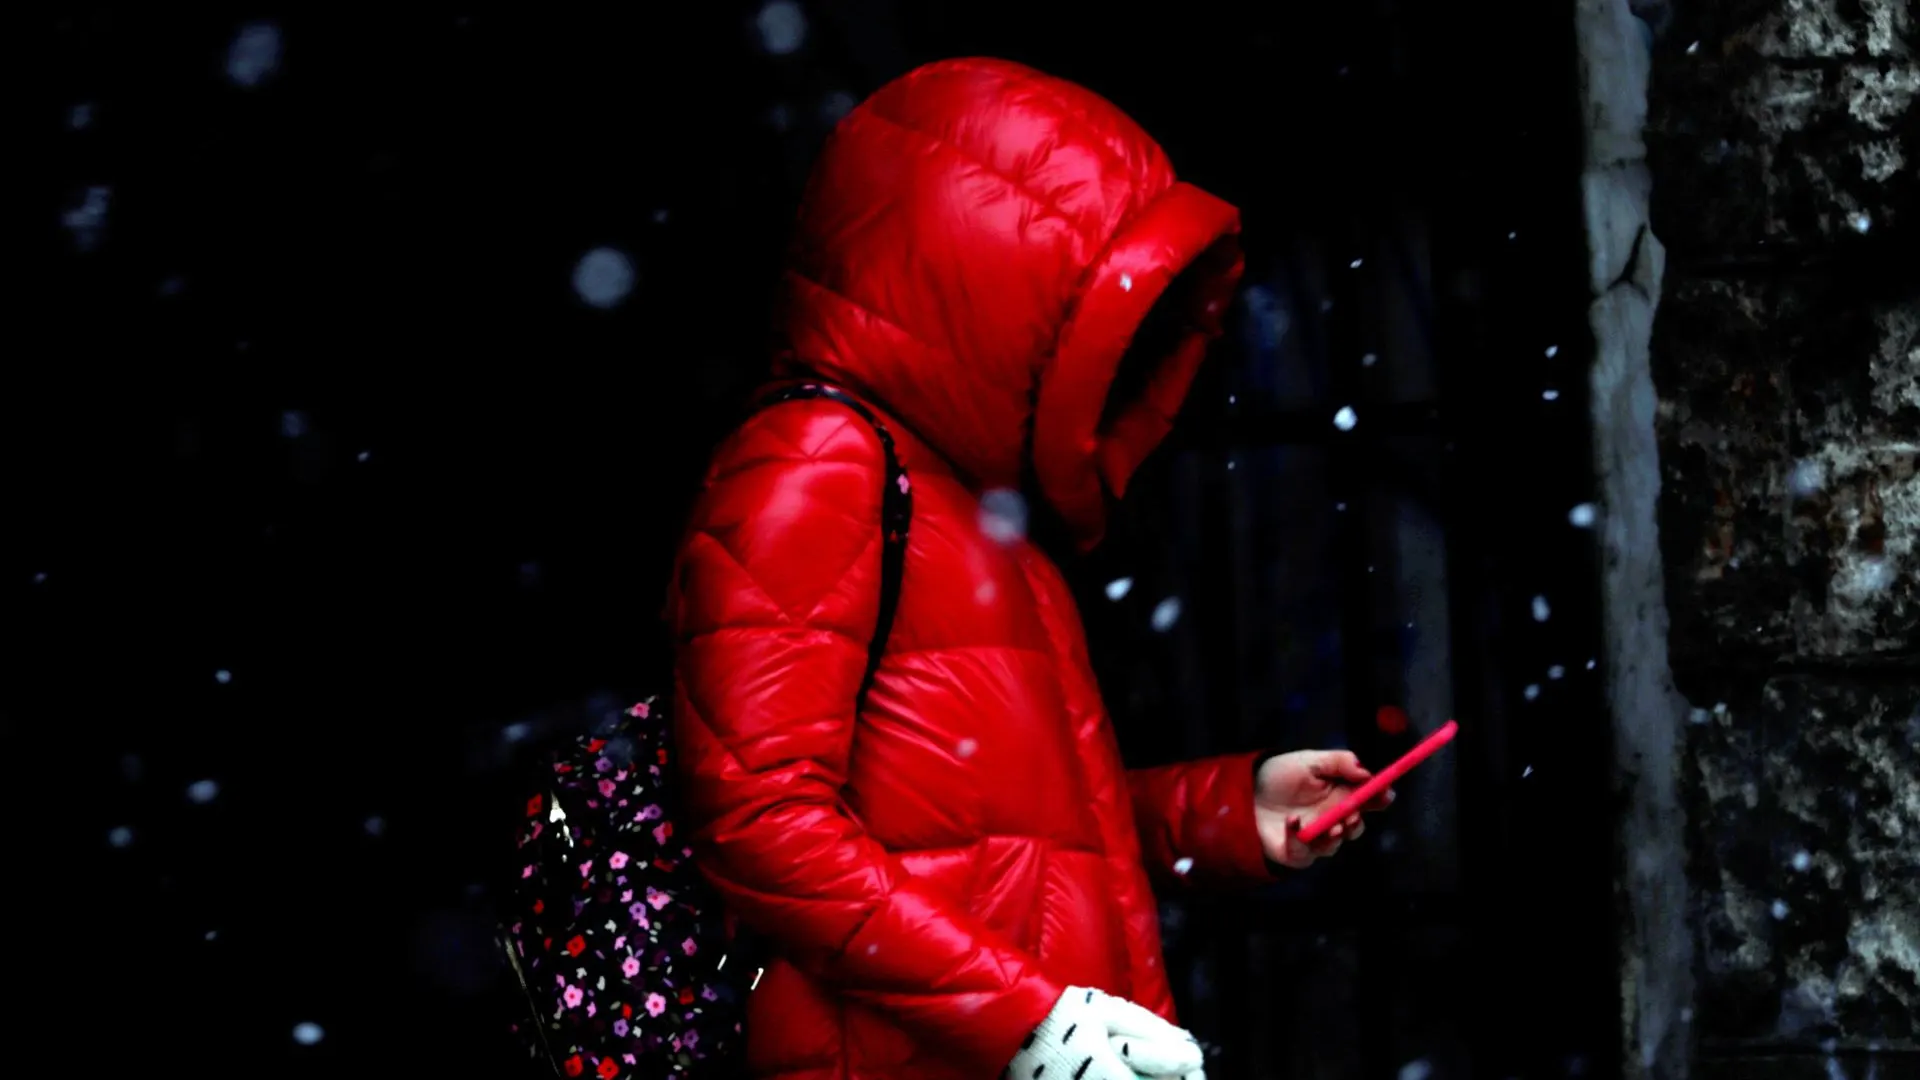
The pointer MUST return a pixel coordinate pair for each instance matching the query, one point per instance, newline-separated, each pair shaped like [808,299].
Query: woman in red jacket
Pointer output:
[954,876]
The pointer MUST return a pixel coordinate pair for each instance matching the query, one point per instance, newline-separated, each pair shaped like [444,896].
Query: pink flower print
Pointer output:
[638,910]
[572,996]
[707,993]
[656,1004]
[526,872]
[606,788]
[620,1029]
[658,899]
[630,966]
[690,1040]
[617,860]
[586,867]
[660,835]
[689,947]
[648,812]
[534,833]
[654,769]
[627,897]
[628,1058]
[639,710]
[620,942]
[592,1007]
[602,765]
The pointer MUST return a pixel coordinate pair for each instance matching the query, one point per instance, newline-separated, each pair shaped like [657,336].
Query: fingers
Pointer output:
[1341,766]
[1123,1017]
[1157,1057]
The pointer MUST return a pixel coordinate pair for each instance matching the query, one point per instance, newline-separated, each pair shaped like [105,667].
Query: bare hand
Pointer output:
[1293,789]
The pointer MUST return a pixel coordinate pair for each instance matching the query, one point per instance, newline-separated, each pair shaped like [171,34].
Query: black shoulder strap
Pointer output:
[896,515]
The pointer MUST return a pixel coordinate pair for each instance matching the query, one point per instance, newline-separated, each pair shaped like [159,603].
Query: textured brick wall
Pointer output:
[1784,148]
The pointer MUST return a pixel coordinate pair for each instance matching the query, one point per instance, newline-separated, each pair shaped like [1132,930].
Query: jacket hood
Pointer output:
[976,247]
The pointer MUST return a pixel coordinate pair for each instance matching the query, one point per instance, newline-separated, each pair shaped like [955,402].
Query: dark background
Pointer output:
[308,396]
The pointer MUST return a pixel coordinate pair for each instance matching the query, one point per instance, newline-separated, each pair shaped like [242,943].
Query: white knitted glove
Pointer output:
[1093,1036]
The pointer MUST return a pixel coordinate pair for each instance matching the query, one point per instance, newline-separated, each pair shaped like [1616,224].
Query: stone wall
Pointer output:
[1784,148]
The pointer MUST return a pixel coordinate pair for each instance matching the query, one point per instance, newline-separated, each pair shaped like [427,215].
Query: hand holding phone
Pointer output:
[1381,781]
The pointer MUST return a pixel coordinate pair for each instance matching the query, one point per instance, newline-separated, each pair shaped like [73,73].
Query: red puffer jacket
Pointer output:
[977,246]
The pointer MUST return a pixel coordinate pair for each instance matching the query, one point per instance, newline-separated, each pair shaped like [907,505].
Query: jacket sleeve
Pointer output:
[776,599]
[1200,810]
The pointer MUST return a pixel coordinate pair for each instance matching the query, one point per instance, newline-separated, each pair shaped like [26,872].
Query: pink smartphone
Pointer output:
[1382,780]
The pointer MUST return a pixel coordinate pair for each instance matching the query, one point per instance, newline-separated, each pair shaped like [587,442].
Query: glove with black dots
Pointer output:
[1094,1036]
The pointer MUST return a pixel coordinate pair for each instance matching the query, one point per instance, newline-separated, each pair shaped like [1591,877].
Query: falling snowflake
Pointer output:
[1182,866]
[1118,588]
[1542,611]
[1419,1069]
[984,593]
[1369,360]
[782,26]
[223,676]
[40,578]
[1699,716]
[1807,478]
[210,935]
[362,457]
[1355,264]
[1126,282]
[1556,672]
[1346,418]
[1166,613]
[308,1033]
[1003,516]
[203,791]
[375,825]
[1526,772]
[967,748]
[120,836]
[80,116]
[293,424]
[835,106]
[1779,910]
[1693,48]
[1532,691]
[1802,861]
[603,277]
[1591,664]
[1582,516]
[1550,395]
[1553,351]
[88,221]
[254,54]
[1861,222]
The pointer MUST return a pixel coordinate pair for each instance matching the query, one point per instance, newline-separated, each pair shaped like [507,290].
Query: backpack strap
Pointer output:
[896,516]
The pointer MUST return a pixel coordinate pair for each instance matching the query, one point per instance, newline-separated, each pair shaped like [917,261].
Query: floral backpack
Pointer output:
[626,963]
